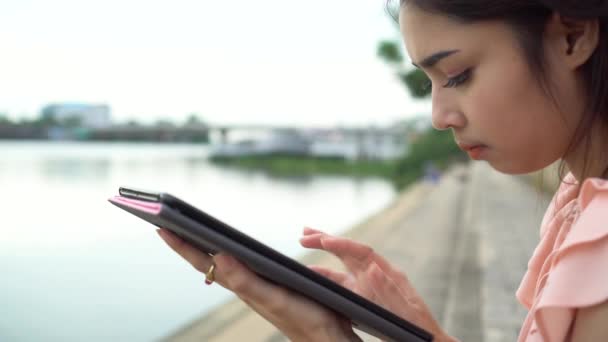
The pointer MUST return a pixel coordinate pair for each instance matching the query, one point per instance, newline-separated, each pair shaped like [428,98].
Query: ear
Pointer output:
[573,40]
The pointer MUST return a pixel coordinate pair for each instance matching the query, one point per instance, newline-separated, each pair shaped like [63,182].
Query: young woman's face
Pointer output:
[484,91]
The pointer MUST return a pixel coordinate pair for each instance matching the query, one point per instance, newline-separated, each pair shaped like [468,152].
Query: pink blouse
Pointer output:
[569,267]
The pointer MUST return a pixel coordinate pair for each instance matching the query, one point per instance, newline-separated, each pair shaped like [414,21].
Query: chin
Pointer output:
[516,168]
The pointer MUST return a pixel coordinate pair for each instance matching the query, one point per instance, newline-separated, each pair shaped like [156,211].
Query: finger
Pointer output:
[392,296]
[354,255]
[348,251]
[250,288]
[298,315]
[308,231]
[357,258]
[312,241]
[362,255]
[199,260]
[265,297]
[335,276]
[239,278]
[341,247]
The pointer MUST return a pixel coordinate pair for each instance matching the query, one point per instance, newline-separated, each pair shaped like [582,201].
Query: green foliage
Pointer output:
[414,79]
[41,122]
[194,120]
[433,146]
[133,123]
[289,165]
[390,52]
[4,120]
[164,123]
[417,82]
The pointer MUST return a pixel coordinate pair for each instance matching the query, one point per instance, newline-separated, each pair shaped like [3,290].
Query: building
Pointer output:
[360,143]
[278,142]
[78,114]
[338,143]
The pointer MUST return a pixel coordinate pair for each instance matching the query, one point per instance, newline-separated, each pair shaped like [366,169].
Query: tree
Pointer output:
[43,121]
[4,120]
[414,79]
[133,123]
[194,120]
[164,123]
[390,52]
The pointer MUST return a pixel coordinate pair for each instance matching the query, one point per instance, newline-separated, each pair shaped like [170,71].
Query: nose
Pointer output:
[447,119]
[446,115]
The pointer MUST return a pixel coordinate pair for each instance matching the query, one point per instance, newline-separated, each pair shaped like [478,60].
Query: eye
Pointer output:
[458,79]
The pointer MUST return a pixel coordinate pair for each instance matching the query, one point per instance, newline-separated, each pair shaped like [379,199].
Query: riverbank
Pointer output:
[285,165]
[431,151]
[399,174]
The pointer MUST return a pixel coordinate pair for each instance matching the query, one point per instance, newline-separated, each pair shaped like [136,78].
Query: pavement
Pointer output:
[464,244]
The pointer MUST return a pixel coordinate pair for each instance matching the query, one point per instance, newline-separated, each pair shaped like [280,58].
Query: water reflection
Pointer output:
[76,268]
[73,170]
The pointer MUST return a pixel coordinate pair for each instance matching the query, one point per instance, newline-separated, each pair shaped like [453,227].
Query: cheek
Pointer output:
[500,105]
[509,112]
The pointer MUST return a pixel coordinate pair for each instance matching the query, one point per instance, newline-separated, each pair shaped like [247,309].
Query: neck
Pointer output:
[590,156]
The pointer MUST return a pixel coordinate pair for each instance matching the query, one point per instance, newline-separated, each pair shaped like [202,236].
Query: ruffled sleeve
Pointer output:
[578,276]
[556,216]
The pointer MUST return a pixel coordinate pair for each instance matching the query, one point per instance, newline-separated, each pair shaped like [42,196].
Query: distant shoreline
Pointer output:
[287,165]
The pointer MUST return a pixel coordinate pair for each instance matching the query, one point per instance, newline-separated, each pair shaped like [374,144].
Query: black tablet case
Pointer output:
[211,236]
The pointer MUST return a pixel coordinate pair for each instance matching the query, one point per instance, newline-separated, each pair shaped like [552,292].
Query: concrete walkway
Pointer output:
[464,244]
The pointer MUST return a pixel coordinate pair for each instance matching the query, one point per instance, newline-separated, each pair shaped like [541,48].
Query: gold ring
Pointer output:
[210,275]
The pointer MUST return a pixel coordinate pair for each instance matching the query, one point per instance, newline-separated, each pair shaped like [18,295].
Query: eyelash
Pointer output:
[452,82]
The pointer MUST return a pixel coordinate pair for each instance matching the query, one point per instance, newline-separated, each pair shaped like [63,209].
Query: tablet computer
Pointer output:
[211,236]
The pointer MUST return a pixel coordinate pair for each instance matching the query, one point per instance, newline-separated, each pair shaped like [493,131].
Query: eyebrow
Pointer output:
[433,59]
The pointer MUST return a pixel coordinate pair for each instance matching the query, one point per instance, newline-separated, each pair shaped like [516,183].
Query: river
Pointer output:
[76,268]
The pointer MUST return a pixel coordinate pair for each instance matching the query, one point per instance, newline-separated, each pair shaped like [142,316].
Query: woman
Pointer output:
[521,84]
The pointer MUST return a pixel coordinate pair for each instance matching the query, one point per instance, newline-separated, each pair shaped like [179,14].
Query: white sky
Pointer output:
[280,62]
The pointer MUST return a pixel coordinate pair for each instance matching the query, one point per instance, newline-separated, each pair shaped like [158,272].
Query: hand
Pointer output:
[371,276]
[299,318]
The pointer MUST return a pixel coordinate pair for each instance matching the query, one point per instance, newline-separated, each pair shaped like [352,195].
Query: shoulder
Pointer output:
[590,321]
[594,191]
[585,247]
[560,207]
[575,287]
[592,221]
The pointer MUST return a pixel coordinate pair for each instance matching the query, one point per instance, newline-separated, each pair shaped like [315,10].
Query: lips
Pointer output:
[468,147]
[474,150]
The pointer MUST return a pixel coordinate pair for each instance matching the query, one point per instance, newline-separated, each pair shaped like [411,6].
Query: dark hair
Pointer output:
[528,19]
